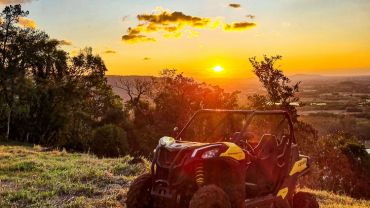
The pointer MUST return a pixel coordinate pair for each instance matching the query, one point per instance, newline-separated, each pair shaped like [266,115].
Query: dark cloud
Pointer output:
[65,42]
[134,36]
[174,17]
[239,26]
[110,52]
[250,16]
[235,5]
[130,38]
[7,2]
[146,58]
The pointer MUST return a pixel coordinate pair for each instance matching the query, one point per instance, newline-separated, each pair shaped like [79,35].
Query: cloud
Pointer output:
[193,34]
[131,38]
[146,58]
[235,5]
[170,24]
[177,18]
[124,18]
[250,16]
[174,25]
[65,42]
[237,26]
[110,52]
[7,2]
[25,22]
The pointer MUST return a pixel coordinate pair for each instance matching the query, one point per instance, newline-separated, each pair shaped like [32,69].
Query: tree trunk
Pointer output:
[8,124]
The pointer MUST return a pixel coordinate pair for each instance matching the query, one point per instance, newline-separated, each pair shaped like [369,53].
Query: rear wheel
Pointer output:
[138,195]
[210,196]
[304,200]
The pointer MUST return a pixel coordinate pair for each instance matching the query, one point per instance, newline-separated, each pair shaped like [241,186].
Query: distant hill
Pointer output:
[249,86]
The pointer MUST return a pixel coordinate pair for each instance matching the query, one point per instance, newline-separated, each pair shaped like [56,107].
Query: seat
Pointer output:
[266,147]
[261,175]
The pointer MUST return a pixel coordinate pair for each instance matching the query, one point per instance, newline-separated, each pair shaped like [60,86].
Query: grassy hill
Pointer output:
[33,177]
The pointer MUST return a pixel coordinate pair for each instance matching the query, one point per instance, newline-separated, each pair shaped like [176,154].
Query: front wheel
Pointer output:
[210,196]
[138,196]
[304,200]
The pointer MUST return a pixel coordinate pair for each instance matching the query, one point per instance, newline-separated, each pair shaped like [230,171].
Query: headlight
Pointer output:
[211,153]
[166,141]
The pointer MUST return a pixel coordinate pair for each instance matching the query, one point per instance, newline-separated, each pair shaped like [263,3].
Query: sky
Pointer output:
[142,37]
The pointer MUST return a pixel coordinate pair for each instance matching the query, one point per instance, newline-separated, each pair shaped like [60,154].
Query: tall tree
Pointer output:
[11,77]
[280,93]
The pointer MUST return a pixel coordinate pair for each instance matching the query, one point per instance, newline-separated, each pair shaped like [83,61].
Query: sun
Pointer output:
[218,69]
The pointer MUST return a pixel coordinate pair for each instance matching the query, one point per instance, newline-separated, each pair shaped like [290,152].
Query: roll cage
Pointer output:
[250,115]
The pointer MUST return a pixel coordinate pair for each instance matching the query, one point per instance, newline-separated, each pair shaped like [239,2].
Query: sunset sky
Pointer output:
[142,37]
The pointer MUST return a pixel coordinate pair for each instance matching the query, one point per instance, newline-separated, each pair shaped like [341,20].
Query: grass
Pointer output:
[30,177]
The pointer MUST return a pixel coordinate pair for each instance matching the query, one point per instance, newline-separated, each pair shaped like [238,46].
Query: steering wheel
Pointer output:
[239,140]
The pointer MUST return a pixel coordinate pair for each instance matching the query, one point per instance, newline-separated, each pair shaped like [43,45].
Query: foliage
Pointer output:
[280,94]
[109,140]
[177,97]
[157,106]
[341,164]
[46,96]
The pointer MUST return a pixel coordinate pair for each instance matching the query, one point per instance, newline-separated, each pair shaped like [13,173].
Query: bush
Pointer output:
[340,164]
[109,141]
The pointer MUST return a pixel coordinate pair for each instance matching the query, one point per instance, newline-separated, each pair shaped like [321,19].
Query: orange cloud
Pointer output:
[170,23]
[176,18]
[237,26]
[174,25]
[235,5]
[7,2]
[25,22]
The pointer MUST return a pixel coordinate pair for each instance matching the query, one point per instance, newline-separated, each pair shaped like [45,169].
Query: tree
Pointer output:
[46,96]
[11,77]
[280,94]
[160,104]
[92,102]
[109,140]
[138,106]
[340,164]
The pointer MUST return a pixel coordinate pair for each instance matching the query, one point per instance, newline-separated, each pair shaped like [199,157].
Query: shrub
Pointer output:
[109,141]
[340,164]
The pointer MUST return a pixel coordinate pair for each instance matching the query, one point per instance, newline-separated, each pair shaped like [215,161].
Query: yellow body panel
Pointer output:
[234,151]
[283,192]
[299,166]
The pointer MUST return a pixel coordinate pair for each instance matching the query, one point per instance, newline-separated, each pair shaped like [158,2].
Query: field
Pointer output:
[33,177]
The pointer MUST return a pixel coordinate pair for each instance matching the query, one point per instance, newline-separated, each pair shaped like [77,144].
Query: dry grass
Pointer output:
[30,177]
[331,200]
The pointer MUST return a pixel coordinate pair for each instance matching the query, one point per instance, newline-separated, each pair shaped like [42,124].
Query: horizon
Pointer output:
[142,38]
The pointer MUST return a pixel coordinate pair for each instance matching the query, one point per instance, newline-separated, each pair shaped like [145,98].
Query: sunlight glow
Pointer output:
[218,69]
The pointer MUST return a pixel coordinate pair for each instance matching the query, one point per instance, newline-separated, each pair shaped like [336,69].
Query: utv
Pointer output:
[224,159]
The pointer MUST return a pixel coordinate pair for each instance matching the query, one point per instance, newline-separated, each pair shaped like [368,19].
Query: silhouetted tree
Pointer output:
[47,97]
[280,94]
[11,77]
